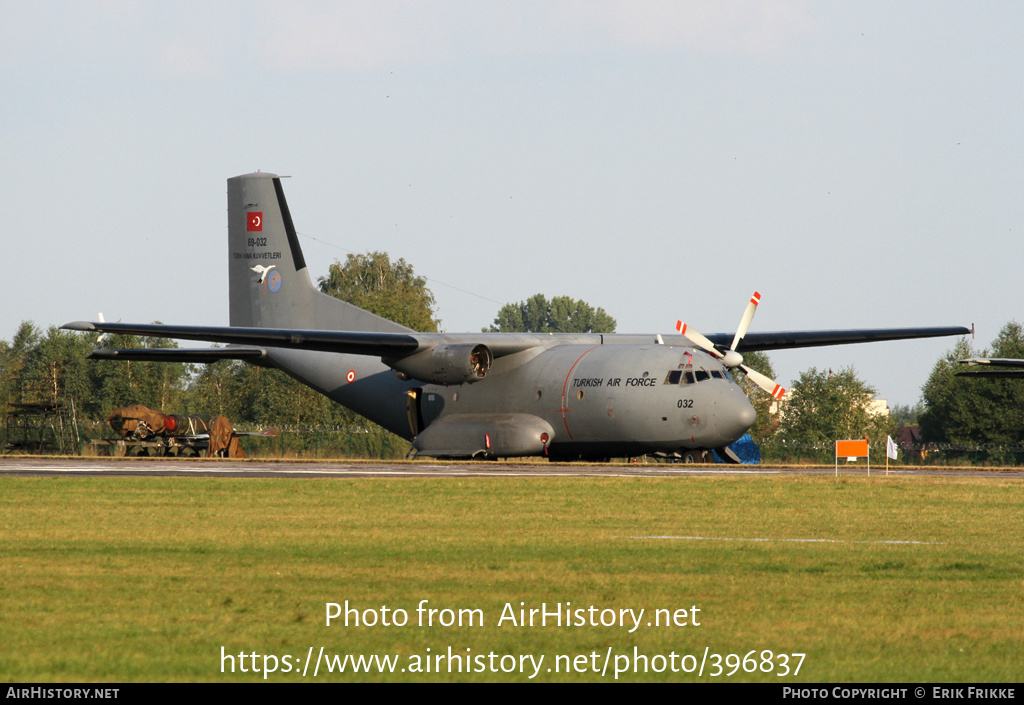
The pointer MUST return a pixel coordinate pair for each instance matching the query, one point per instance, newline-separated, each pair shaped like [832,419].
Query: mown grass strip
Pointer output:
[147,578]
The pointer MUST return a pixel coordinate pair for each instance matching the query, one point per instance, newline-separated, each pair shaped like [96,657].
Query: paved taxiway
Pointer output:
[201,467]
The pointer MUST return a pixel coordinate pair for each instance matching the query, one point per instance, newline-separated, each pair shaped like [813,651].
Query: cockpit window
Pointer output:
[694,376]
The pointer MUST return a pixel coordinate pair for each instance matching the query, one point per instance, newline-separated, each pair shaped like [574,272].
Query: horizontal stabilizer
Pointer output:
[994,361]
[198,355]
[353,342]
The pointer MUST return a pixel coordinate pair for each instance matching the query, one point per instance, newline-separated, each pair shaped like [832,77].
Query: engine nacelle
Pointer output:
[462,363]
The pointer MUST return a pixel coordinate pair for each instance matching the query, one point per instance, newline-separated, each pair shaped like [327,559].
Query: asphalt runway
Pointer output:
[201,467]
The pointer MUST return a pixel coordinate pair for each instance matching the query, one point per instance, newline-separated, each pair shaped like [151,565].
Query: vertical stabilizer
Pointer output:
[269,285]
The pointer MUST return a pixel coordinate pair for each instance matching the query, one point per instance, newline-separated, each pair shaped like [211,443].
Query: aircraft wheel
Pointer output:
[693,456]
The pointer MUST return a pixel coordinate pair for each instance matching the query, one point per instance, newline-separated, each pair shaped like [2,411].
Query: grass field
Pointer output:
[880,580]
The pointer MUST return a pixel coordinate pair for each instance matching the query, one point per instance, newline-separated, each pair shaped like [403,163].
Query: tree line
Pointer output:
[822,405]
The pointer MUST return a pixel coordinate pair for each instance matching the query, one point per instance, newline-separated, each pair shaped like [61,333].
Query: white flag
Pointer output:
[891,447]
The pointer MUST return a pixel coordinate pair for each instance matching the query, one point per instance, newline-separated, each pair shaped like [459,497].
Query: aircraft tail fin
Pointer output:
[269,284]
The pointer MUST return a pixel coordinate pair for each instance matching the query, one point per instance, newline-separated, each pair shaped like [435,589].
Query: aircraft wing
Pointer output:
[993,362]
[819,338]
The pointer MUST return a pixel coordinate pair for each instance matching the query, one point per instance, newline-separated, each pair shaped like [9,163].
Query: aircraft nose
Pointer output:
[741,416]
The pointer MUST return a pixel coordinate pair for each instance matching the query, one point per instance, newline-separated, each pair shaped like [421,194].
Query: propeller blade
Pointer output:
[728,455]
[697,338]
[748,316]
[764,382]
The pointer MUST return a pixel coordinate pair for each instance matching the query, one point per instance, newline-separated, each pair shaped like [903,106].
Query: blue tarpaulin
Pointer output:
[746,450]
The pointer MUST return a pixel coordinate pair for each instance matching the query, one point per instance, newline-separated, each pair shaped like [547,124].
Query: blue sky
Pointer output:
[859,164]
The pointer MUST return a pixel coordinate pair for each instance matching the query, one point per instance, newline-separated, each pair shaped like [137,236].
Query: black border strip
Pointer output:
[289,227]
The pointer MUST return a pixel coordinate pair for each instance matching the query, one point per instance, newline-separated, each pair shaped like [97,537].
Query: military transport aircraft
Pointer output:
[994,362]
[487,395]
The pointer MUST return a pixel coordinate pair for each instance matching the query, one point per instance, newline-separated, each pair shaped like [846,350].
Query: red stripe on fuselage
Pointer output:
[565,386]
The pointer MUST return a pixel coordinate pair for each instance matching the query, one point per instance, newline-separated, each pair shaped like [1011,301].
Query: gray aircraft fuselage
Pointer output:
[591,399]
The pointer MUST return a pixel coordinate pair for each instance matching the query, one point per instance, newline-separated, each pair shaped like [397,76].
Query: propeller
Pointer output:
[729,357]
[102,336]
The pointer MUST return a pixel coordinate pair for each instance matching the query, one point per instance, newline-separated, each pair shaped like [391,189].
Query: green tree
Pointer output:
[906,415]
[269,397]
[14,357]
[1006,394]
[823,407]
[157,385]
[561,314]
[46,368]
[38,369]
[58,362]
[389,289]
[767,423]
[42,371]
[213,389]
[972,411]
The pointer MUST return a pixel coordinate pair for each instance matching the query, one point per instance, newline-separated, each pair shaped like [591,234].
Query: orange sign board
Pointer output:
[851,449]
